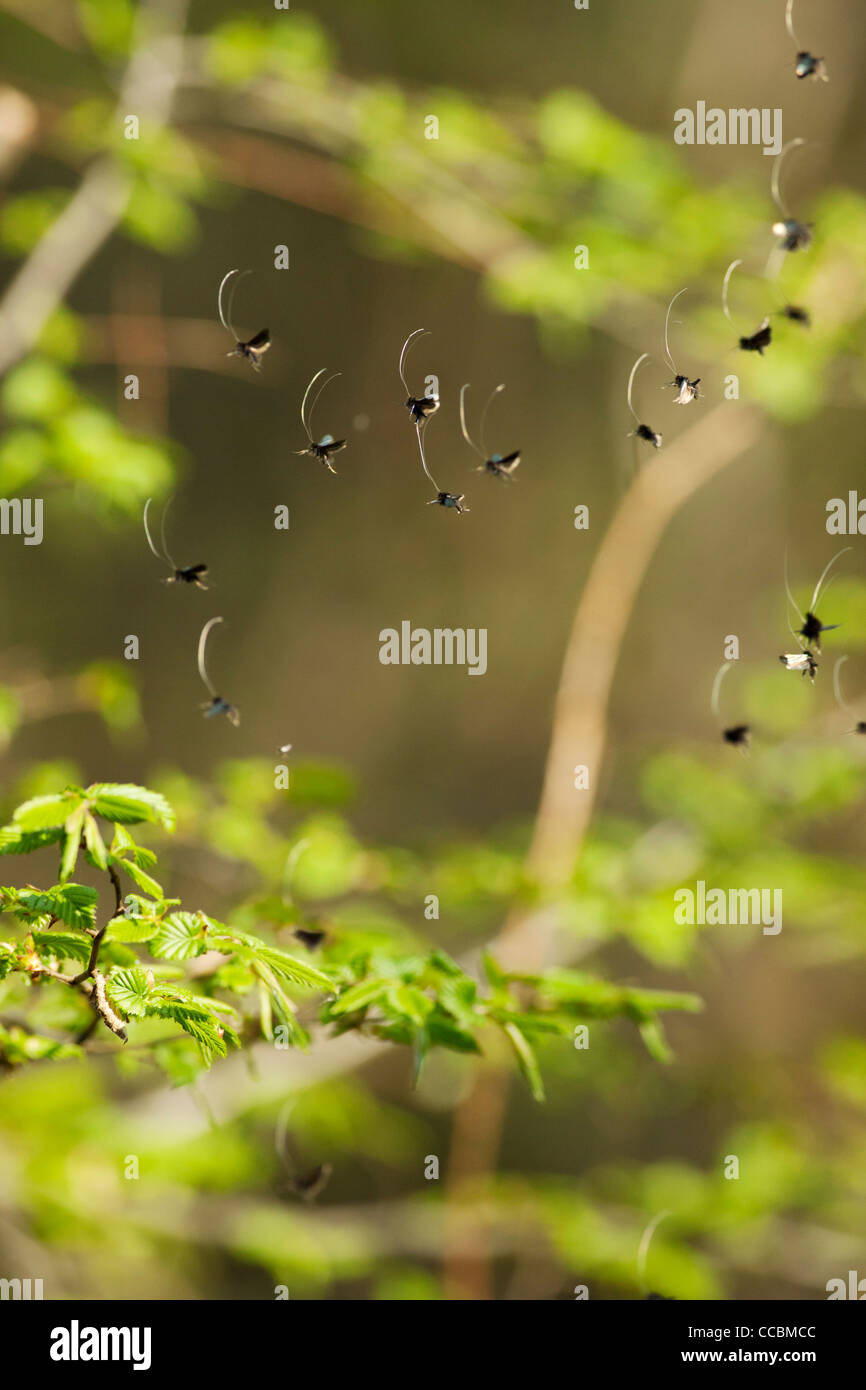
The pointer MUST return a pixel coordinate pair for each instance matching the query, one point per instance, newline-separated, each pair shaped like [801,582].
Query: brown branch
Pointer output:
[579,736]
[97,206]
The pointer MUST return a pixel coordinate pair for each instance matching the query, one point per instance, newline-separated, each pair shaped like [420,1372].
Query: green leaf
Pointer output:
[61,945]
[94,842]
[47,812]
[72,843]
[129,991]
[74,904]
[15,841]
[359,996]
[181,936]
[526,1059]
[130,929]
[139,877]
[130,804]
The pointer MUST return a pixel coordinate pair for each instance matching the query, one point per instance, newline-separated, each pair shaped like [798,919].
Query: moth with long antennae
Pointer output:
[500,465]
[738,735]
[420,408]
[797,314]
[763,335]
[216,705]
[860,726]
[793,235]
[254,348]
[327,445]
[442,499]
[812,628]
[191,574]
[686,390]
[643,431]
[807,65]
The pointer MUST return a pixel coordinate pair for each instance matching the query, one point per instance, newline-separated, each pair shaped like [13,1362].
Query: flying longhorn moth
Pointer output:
[190,574]
[738,735]
[498,465]
[686,390]
[420,408]
[761,338]
[253,349]
[806,65]
[306,1183]
[792,234]
[808,637]
[323,448]
[442,499]
[643,431]
[216,704]
[860,726]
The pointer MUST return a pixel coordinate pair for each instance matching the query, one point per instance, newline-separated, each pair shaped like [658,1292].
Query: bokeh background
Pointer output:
[306,128]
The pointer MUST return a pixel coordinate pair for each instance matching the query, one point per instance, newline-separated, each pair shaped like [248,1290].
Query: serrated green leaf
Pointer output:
[71,844]
[129,991]
[62,945]
[129,804]
[139,877]
[46,812]
[359,996]
[526,1059]
[95,843]
[180,937]
[74,904]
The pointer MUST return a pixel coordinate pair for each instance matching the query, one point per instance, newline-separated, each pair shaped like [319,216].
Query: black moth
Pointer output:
[759,340]
[216,704]
[796,315]
[449,499]
[189,574]
[253,349]
[500,465]
[806,65]
[310,1185]
[323,448]
[643,431]
[420,408]
[738,735]
[310,939]
[686,390]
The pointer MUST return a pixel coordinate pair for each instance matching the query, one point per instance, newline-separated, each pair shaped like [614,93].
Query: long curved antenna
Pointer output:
[162,533]
[717,686]
[643,1248]
[789,23]
[315,399]
[403,356]
[642,358]
[668,358]
[148,535]
[424,460]
[225,314]
[817,594]
[466,435]
[727,280]
[837,686]
[775,191]
[490,399]
[202,642]
[304,402]
[791,599]
[292,858]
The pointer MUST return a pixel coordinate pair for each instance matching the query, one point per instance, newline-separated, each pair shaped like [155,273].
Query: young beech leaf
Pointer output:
[47,812]
[62,945]
[94,843]
[72,843]
[129,804]
[73,903]
[141,879]
[180,937]
[526,1059]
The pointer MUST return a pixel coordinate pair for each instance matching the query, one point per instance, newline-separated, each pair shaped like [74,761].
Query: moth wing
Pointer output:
[261,342]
